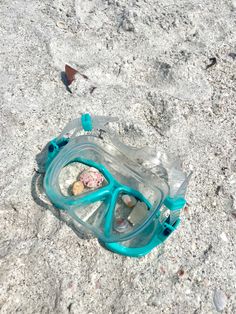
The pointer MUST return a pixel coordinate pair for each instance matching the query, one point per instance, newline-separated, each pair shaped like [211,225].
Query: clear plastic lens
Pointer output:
[77,179]
[114,191]
[68,176]
[104,190]
[143,238]
[93,213]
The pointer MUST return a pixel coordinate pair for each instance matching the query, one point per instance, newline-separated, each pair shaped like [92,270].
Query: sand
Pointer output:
[149,62]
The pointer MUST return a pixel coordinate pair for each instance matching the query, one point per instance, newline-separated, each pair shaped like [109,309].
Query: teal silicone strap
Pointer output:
[54,148]
[86,122]
[174,203]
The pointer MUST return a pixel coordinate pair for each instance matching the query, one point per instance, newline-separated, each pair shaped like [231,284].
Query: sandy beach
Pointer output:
[167,69]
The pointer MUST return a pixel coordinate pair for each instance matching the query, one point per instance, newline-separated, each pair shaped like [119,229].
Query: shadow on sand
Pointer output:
[38,194]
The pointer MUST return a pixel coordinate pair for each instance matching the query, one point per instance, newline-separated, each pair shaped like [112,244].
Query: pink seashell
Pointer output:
[91,178]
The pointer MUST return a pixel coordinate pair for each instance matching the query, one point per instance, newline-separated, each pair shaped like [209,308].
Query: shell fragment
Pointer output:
[138,213]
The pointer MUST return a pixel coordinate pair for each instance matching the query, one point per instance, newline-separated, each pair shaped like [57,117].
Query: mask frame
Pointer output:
[63,151]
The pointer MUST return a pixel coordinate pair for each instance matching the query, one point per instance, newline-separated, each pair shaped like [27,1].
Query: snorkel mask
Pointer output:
[107,187]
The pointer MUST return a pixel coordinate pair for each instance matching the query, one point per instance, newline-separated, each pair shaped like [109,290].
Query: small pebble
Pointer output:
[232,54]
[77,188]
[219,300]
[234,4]
[224,237]
[129,200]
[180,272]
[128,25]
[91,178]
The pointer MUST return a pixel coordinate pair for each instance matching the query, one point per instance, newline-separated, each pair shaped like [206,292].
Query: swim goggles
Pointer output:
[105,187]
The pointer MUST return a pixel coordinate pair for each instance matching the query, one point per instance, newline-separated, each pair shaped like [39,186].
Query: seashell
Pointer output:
[77,188]
[61,24]
[129,200]
[138,213]
[70,73]
[121,225]
[219,300]
[91,178]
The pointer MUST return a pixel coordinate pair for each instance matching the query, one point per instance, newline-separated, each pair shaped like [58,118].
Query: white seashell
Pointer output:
[138,213]
[129,200]
[61,24]
[234,4]
[219,300]
[224,237]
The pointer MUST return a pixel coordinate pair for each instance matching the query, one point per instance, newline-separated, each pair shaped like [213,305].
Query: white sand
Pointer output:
[148,61]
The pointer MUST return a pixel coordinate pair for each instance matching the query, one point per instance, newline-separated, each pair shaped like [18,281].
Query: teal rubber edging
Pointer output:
[160,233]
[174,203]
[86,122]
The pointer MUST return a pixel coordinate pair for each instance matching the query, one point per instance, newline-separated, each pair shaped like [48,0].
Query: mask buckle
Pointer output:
[54,147]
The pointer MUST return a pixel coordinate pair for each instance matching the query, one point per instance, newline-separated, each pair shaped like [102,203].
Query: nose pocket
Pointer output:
[131,211]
